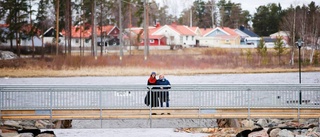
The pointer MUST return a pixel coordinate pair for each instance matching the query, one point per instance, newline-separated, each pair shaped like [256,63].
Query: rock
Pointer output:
[247,123]
[66,123]
[9,134]
[34,132]
[282,125]
[29,127]
[261,133]
[4,55]
[276,121]
[285,133]
[45,135]
[274,132]
[27,123]
[223,123]
[262,122]
[26,135]
[39,125]
[12,123]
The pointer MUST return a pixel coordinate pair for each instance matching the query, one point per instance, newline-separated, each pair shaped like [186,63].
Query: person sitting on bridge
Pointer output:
[164,93]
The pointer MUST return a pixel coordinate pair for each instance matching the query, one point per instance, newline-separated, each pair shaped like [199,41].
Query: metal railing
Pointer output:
[37,97]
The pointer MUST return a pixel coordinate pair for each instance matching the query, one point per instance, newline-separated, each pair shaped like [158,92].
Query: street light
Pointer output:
[299,44]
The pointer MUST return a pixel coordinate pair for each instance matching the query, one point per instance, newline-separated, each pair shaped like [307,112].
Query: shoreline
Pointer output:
[136,71]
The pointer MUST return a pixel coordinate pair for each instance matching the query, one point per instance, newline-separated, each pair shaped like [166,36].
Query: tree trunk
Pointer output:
[311,56]
[93,28]
[32,40]
[292,56]
[69,26]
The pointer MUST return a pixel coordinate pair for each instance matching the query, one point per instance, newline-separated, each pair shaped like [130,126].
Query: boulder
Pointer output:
[5,55]
[274,132]
[285,133]
[12,123]
[247,123]
[261,133]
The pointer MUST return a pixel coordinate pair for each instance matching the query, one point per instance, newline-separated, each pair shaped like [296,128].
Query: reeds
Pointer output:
[177,62]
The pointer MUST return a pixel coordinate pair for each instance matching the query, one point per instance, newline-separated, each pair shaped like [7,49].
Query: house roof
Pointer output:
[156,36]
[182,29]
[107,29]
[247,31]
[86,33]
[194,29]
[151,31]
[4,25]
[226,30]
[280,33]
[242,34]
[52,31]
[25,28]
[204,31]
[77,32]
[230,31]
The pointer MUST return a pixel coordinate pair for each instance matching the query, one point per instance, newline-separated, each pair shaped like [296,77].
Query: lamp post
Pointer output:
[299,44]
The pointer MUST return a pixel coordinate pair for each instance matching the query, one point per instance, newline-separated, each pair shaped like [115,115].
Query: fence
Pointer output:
[186,101]
[22,97]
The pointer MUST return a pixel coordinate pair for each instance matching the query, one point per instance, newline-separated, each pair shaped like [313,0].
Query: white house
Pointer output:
[25,40]
[49,36]
[177,35]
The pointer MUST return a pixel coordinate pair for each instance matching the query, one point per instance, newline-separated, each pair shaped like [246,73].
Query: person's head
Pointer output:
[153,74]
[161,76]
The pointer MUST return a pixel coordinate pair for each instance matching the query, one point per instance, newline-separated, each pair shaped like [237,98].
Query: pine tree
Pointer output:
[17,13]
[40,18]
[279,47]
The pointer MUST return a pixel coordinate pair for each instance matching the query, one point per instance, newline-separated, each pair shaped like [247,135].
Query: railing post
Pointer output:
[1,104]
[51,105]
[199,110]
[100,106]
[249,103]
[299,104]
[150,105]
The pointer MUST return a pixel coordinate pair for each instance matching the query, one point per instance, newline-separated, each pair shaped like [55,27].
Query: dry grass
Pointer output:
[177,62]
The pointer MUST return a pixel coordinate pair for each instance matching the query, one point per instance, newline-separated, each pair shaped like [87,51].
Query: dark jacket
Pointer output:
[153,95]
[163,94]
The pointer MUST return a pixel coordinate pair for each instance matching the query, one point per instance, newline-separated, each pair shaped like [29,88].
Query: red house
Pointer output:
[154,40]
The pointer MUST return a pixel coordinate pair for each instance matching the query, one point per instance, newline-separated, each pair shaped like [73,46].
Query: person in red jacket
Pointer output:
[154,95]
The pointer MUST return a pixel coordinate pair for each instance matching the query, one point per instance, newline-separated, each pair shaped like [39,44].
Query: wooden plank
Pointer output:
[145,113]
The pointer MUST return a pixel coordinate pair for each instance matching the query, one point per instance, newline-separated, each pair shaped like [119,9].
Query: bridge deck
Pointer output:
[146,113]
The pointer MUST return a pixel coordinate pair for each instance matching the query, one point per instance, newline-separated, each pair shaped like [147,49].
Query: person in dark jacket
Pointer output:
[163,93]
[154,95]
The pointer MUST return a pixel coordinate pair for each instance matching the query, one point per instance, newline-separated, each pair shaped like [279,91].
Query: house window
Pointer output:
[151,40]
[77,41]
[192,38]
[186,37]
[227,41]
[87,40]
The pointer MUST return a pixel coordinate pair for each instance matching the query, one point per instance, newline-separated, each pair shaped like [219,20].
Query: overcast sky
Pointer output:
[250,5]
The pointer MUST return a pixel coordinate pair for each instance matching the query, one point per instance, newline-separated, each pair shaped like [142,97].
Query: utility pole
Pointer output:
[32,41]
[69,26]
[148,41]
[213,14]
[101,40]
[120,27]
[145,33]
[57,27]
[93,39]
[130,27]
[190,17]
